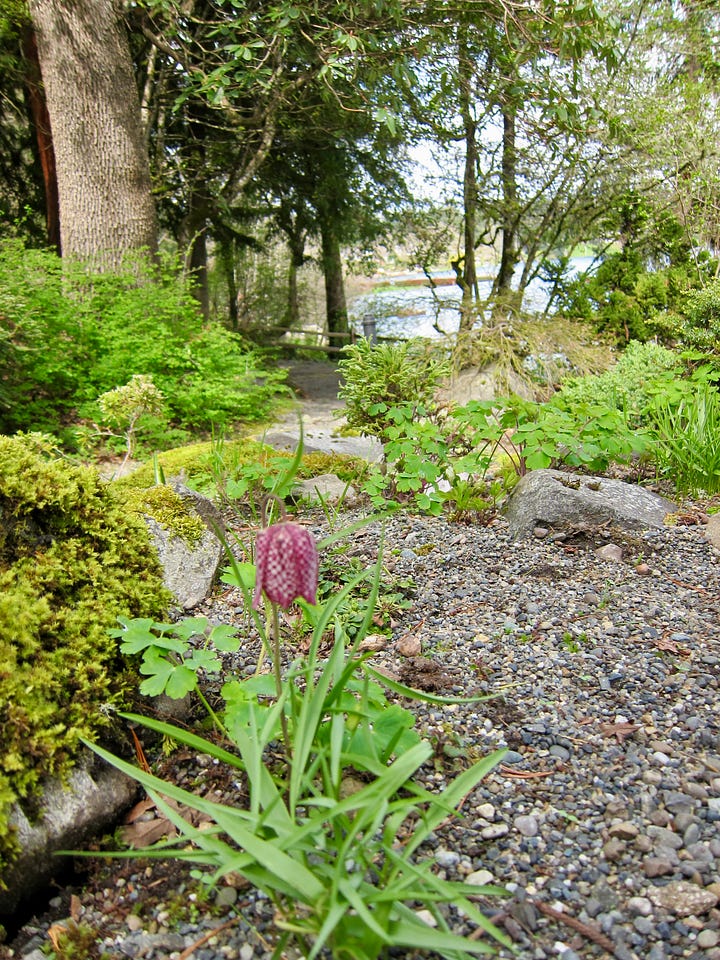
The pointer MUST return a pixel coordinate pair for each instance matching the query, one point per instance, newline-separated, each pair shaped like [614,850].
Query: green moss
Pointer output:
[203,464]
[72,559]
[169,508]
[195,463]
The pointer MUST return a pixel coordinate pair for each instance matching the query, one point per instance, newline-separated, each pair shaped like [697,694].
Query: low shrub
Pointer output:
[68,336]
[379,377]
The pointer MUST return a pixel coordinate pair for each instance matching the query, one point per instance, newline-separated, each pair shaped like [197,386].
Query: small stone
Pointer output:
[494,831]
[480,878]
[133,922]
[665,838]
[247,952]
[684,899]
[527,825]
[540,532]
[611,551]
[707,939]
[226,896]
[643,570]
[640,906]
[447,858]
[486,811]
[624,830]
[373,643]
[426,917]
[657,867]
[614,849]
[409,645]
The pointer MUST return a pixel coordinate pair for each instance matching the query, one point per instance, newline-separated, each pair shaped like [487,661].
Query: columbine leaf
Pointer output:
[240,575]
[224,637]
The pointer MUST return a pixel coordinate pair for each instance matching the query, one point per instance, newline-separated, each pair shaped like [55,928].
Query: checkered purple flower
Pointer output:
[286,565]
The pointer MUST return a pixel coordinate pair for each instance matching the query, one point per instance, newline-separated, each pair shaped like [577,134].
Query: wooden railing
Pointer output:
[311,340]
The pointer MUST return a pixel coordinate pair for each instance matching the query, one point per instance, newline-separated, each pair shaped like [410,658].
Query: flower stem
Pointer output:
[278,677]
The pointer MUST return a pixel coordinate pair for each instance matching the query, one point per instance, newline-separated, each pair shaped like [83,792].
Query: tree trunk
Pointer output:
[106,206]
[336,305]
[43,135]
[296,246]
[192,238]
[505,297]
[467,280]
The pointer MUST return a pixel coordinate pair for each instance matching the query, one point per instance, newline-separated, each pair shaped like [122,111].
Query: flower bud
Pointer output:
[286,565]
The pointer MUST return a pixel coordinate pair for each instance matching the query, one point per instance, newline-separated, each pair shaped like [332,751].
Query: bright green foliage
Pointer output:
[72,558]
[67,337]
[171,662]
[123,406]
[241,471]
[684,420]
[319,832]
[695,322]
[646,288]
[379,379]
[168,507]
[640,371]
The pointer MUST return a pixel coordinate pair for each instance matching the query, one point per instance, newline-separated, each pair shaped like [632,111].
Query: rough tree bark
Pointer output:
[103,175]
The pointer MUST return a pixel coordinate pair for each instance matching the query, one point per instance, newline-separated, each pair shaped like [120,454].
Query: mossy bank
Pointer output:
[72,558]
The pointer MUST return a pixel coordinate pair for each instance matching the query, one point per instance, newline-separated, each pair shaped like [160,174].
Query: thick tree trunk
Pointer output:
[106,206]
[336,304]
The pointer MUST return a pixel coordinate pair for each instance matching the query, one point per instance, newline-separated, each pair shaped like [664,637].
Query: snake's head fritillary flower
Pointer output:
[286,565]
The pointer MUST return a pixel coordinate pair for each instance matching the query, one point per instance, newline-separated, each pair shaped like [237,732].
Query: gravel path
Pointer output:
[602,820]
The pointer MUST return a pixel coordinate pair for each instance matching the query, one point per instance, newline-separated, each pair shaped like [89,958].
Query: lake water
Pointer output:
[417,311]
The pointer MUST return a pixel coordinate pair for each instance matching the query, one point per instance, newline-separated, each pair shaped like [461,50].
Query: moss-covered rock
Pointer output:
[172,511]
[72,558]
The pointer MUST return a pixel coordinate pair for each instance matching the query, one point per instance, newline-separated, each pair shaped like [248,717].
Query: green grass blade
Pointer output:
[189,739]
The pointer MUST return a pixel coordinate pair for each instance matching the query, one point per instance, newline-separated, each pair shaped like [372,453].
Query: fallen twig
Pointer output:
[589,932]
[523,774]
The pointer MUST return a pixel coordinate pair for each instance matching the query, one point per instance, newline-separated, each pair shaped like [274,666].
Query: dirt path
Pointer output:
[316,385]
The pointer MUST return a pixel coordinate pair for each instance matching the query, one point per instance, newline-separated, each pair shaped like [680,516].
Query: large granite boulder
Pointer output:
[561,501]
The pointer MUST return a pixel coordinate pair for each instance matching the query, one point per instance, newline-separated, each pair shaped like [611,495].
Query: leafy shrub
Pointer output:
[381,377]
[69,337]
[695,323]
[72,558]
[44,341]
[652,274]
[641,370]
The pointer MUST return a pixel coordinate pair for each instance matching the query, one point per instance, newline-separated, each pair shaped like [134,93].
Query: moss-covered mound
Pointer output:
[207,466]
[72,558]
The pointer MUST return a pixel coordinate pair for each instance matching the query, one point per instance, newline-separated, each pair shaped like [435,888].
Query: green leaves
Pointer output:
[171,662]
